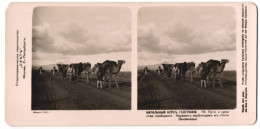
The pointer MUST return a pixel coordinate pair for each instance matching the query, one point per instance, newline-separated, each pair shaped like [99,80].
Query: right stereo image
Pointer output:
[187,57]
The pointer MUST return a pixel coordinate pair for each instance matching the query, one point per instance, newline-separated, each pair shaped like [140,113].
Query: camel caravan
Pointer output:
[103,72]
[206,70]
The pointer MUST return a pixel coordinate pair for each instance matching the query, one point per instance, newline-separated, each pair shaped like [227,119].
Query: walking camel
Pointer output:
[191,70]
[112,68]
[200,67]
[87,70]
[216,67]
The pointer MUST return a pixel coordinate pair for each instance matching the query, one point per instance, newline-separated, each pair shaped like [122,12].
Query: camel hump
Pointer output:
[191,64]
[107,64]
[214,61]
[86,65]
[211,63]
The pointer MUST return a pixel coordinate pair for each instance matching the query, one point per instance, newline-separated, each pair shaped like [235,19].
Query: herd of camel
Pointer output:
[107,69]
[205,69]
[102,71]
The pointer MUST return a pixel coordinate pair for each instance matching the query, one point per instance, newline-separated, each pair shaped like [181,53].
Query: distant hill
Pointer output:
[50,66]
[151,67]
[45,67]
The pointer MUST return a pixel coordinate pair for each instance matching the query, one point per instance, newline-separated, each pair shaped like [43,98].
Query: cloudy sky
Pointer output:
[81,34]
[178,34]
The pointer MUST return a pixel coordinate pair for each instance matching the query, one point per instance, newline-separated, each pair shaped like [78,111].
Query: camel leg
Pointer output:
[191,78]
[110,78]
[101,85]
[104,80]
[97,83]
[208,79]
[116,82]
[205,84]
[201,83]
[214,80]
[88,75]
[219,79]
[87,78]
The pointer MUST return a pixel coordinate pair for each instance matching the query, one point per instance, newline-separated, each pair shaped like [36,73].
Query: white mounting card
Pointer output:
[131,64]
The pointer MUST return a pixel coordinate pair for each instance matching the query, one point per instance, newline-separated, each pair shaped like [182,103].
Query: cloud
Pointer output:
[74,33]
[41,38]
[81,31]
[184,31]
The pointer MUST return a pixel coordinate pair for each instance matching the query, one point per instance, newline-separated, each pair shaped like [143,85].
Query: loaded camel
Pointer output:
[200,67]
[76,70]
[94,69]
[167,69]
[87,70]
[180,70]
[191,70]
[216,67]
[112,68]
[71,72]
[62,70]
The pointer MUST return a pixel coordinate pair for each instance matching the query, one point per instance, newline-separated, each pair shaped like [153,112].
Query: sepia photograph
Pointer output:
[187,57]
[130,64]
[81,58]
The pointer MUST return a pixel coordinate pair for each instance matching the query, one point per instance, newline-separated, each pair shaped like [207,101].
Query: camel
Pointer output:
[112,68]
[95,68]
[167,69]
[63,68]
[200,67]
[87,70]
[78,69]
[180,70]
[191,70]
[216,67]
[71,72]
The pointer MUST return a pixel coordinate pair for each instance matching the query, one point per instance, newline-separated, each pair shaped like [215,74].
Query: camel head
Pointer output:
[198,67]
[167,66]
[224,61]
[59,65]
[120,62]
[86,65]
[191,64]
[95,67]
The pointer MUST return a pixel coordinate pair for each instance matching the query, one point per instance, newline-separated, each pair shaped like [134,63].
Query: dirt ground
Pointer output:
[155,92]
[52,93]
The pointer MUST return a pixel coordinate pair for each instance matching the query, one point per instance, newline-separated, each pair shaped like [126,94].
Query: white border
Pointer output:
[3,6]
